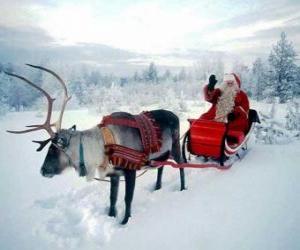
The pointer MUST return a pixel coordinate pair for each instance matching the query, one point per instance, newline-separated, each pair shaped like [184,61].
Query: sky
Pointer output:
[153,27]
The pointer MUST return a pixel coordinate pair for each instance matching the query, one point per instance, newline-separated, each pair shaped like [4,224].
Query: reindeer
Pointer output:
[84,150]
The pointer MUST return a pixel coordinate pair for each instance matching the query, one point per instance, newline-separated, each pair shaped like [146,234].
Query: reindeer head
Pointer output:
[57,158]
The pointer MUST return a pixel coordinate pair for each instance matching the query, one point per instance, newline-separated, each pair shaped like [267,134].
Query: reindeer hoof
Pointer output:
[125,220]
[157,186]
[112,212]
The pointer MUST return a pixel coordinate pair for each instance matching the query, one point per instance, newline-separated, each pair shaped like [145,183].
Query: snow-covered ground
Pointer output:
[254,205]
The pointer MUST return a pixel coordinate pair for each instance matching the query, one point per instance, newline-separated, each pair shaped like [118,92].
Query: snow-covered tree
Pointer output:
[18,95]
[273,130]
[243,71]
[136,77]
[167,75]
[209,64]
[3,93]
[94,78]
[182,75]
[151,74]
[297,82]
[79,89]
[282,61]
[293,116]
[259,79]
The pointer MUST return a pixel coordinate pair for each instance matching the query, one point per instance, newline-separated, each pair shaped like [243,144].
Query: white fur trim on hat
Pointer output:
[229,77]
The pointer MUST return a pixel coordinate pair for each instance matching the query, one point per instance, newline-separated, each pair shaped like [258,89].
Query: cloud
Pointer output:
[143,27]
[254,32]
[16,13]
[266,11]
[23,37]
[35,45]
[260,36]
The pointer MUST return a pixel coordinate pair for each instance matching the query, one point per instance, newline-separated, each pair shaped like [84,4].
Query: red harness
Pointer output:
[150,134]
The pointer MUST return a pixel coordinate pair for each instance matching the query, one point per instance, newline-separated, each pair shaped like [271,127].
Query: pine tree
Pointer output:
[151,75]
[259,79]
[94,78]
[243,71]
[166,75]
[77,87]
[271,131]
[3,93]
[182,75]
[293,116]
[136,77]
[297,82]
[282,62]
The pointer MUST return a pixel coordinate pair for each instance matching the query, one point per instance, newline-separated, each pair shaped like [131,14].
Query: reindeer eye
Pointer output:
[62,142]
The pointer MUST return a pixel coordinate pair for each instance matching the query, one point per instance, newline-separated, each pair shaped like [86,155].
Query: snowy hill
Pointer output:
[254,205]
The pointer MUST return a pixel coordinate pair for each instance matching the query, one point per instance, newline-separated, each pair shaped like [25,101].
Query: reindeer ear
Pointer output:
[73,128]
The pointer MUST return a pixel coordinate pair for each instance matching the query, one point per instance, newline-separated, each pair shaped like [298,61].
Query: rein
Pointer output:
[141,174]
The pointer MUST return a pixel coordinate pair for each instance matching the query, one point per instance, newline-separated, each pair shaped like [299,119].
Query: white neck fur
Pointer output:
[93,150]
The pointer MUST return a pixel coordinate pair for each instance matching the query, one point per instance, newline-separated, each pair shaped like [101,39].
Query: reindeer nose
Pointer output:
[46,173]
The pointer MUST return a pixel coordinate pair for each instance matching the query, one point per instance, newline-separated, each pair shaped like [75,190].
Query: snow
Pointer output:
[254,205]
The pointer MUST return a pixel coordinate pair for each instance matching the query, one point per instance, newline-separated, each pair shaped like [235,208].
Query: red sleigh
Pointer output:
[212,140]
[213,144]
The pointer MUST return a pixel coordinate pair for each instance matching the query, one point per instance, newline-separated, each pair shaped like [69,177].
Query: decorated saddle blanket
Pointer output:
[150,135]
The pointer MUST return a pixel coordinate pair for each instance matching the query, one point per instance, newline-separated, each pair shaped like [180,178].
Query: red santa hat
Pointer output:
[232,77]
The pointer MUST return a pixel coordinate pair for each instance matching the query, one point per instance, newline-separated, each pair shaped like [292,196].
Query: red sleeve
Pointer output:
[241,105]
[211,95]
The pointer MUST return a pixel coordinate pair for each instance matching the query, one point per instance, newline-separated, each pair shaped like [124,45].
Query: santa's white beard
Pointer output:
[225,102]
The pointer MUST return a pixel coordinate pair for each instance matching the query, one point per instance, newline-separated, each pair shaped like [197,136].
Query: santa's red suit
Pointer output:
[229,98]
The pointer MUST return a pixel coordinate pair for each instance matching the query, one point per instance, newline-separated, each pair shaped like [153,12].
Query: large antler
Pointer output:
[47,124]
[66,97]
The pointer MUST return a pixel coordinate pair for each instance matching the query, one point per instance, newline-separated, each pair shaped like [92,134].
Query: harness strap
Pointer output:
[82,168]
[118,121]
[150,132]
[145,123]
[108,138]
[119,155]
[128,158]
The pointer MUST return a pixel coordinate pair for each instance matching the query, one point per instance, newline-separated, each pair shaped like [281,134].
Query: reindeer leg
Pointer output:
[158,179]
[130,176]
[114,188]
[182,179]
[176,153]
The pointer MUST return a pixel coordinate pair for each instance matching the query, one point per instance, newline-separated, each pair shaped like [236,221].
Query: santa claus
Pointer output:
[229,103]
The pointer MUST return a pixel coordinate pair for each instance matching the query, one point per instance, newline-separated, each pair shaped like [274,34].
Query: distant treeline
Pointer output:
[276,77]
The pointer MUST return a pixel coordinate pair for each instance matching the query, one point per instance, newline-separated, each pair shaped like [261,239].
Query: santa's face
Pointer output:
[230,83]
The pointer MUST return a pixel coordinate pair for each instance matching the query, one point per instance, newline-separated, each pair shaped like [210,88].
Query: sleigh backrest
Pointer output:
[206,137]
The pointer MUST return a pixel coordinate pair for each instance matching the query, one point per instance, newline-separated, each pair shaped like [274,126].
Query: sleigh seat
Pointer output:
[235,137]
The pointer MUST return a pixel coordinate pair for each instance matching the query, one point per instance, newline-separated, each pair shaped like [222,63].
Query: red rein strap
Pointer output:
[189,165]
